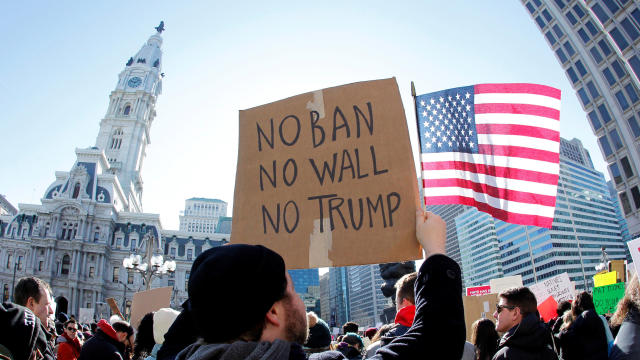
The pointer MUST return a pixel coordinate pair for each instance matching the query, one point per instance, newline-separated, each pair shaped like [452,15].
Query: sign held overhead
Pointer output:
[327,178]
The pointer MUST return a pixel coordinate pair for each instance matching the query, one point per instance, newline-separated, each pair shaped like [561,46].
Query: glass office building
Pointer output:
[597,43]
[585,220]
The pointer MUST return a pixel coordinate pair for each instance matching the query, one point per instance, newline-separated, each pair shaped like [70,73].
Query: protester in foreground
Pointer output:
[525,336]
[109,342]
[319,338]
[161,321]
[627,317]
[485,339]
[69,346]
[273,324]
[405,311]
[586,337]
[35,294]
[21,331]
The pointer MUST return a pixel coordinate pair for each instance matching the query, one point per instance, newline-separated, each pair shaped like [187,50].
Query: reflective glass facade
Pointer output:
[584,221]
[366,302]
[598,45]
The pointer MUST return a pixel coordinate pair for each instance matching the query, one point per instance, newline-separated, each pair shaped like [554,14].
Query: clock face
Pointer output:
[134,82]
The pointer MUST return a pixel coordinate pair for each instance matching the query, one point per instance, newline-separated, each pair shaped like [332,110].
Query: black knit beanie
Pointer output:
[22,330]
[232,287]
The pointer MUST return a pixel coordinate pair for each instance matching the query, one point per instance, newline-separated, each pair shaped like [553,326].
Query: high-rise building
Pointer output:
[338,296]
[366,302]
[325,309]
[584,221]
[307,284]
[201,215]
[598,45]
[448,213]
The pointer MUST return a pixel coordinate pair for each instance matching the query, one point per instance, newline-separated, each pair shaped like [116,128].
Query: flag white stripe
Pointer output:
[496,160]
[499,182]
[519,119]
[520,141]
[517,98]
[510,206]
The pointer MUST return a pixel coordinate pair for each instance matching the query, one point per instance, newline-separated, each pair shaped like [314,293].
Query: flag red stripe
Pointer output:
[526,109]
[517,88]
[497,171]
[496,192]
[524,130]
[510,217]
[519,151]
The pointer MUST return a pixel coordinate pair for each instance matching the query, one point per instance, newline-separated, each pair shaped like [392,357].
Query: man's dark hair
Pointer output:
[404,287]
[521,297]
[121,326]
[350,327]
[583,302]
[29,287]
[70,321]
[563,306]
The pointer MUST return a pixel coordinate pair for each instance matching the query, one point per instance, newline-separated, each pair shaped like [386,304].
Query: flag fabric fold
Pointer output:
[494,147]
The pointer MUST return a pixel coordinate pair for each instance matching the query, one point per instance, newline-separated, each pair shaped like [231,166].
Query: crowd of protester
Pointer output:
[259,316]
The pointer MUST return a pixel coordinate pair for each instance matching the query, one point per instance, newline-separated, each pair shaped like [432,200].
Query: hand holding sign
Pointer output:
[431,232]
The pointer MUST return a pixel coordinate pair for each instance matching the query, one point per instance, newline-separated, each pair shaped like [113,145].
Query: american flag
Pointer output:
[492,146]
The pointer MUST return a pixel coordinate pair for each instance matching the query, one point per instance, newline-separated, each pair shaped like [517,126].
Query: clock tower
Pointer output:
[124,131]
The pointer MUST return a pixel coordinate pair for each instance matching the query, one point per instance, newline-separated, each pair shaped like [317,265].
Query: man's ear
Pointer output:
[274,315]
[31,302]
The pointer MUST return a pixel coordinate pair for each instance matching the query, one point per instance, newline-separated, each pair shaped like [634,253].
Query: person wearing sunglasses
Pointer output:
[70,346]
[525,336]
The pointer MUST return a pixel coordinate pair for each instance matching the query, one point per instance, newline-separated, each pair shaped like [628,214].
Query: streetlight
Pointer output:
[154,264]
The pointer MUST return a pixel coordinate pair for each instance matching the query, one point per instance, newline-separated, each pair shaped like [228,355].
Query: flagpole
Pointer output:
[415,111]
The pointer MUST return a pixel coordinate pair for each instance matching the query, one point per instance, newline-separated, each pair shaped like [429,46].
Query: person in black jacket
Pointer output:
[525,336]
[268,325]
[109,342]
[585,338]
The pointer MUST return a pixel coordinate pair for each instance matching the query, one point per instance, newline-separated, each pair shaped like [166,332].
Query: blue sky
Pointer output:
[60,61]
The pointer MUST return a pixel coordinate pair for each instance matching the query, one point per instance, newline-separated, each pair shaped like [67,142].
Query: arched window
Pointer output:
[127,110]
[66,264]
[116,139]
[64,230]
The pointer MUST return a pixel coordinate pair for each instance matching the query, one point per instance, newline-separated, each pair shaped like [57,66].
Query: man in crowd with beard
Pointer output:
[243,305]
[35,294]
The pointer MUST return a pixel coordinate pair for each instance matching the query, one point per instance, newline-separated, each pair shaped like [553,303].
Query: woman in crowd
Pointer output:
[585,338]
[485,338]
[627,317]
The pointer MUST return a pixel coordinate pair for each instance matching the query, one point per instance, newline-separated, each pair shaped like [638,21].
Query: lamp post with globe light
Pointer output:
[153,266]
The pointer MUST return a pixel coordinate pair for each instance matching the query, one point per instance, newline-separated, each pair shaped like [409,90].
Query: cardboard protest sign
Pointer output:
[478,290]
[606,298]
[634,249]
[603,279]
[148,301]
[114,307]
[327,178]
[478,307]
[504,283]
[547,308]
[85,315]
[559,286]
[619,267]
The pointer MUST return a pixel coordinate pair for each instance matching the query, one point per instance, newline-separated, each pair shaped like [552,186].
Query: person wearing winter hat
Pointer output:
[351,346]
[21,332]
[69,347]
[109,342]
[319,335]
[161,322]
[244,306]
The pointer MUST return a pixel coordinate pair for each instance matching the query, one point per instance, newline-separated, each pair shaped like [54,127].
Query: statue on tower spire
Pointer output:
[160,28]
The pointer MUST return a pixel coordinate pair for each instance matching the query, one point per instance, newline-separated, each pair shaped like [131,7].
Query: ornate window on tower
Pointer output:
[127,110]
[116,139]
